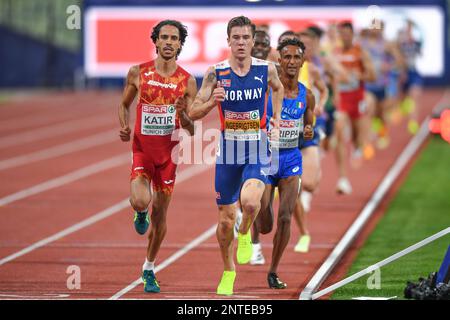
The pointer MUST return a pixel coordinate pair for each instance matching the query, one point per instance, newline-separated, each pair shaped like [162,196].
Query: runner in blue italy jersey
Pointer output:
[297,110]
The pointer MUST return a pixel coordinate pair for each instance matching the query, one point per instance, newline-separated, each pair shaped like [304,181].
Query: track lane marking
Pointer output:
[181,177]
[67,178]
[60,150]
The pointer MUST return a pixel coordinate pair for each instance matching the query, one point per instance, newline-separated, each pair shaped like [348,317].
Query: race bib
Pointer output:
[157,120]
[352,85]
[242,126]
[289,133]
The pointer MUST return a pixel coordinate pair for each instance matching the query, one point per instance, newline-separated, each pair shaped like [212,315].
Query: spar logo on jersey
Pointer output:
[288,124]
[249,115]
[158,109]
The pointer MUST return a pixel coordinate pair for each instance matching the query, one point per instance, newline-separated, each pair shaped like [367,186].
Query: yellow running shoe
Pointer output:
[245,248]
[413,126]
[226,283]
[303,244]
[407,106]
[383,142]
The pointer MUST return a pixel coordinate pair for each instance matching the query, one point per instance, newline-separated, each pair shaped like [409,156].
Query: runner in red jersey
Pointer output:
[164,89]
[351,108]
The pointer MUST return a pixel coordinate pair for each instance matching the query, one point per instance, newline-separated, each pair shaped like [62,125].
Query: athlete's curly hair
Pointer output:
[182,30]
[291,42]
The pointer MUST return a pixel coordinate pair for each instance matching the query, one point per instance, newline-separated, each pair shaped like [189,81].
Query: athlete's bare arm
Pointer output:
[319,83]
[277,91]
[182,103]
[207,97]
[368,74]
[129,93]
[393,49]
[335,68]
[308,132]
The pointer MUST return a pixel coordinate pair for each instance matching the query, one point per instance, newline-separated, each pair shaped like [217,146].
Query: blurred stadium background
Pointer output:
[39,50]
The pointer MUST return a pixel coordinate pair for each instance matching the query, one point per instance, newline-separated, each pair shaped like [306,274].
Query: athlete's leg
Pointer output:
[224,233]
[341,152]
[263,224]
[140,193]
[299,216]
[251,195]
[158,229]
[288,189]
[311,168]
[264,220]
[343,184]
[140,197]
[227,185]
[414,92]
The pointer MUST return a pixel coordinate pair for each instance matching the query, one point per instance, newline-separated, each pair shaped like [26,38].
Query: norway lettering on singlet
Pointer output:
[291,122]
[156,116]
[243,112]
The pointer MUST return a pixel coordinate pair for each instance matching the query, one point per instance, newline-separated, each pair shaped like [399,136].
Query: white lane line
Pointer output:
[382,263]
[62,149]
[335,256]
[182,176]
[177,255]
[33,296]
[52,130]
[67,178]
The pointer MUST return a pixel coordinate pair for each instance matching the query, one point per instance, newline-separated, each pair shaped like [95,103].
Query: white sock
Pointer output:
[148,265]
[306,198]
[257,246]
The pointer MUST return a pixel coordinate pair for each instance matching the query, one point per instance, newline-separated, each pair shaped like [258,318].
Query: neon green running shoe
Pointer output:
[245,248]
[303,244]
[407,106]
[141,222]
[413,126]
[226,283]
[150,283]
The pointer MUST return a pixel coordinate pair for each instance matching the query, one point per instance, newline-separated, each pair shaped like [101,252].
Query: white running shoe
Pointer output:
[343,186]
[357,158]
[237,222]
[306,198]
[257,255]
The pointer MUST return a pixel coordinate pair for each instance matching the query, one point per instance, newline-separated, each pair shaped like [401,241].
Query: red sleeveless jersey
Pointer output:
[351,60]
[156,117]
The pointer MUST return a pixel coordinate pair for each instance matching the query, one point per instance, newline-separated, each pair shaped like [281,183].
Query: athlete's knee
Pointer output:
[266,228]
[250,206]
[284,216]
[226,220]
[139,203]
[312,183]
[225,224]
